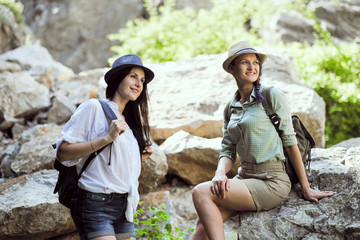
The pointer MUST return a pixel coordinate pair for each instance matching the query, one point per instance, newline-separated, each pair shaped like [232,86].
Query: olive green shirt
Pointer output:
[249,131]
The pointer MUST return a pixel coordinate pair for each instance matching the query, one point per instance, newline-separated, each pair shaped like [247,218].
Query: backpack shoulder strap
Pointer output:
[228,108]
[110,115]
[228,112]
[267,104]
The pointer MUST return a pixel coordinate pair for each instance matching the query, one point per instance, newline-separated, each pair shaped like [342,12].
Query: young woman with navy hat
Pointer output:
[262,182]
[108,195]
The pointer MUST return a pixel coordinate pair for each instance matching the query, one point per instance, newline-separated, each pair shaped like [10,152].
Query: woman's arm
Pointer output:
[220,183]
[71,151]
[293,153]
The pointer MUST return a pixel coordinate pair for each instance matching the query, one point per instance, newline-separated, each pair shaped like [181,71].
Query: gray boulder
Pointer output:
[75,31]
[353,142]
[21,95]
[337,217]
[36,61]
[29,210]
[36,152]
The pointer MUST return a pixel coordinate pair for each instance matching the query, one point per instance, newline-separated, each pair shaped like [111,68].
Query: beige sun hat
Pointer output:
[239,48]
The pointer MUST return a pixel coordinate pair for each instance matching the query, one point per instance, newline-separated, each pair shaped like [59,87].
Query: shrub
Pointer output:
[157,226]
[171,34]
[334,73]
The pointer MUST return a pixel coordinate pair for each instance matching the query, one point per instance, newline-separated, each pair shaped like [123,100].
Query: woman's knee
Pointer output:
[200,191]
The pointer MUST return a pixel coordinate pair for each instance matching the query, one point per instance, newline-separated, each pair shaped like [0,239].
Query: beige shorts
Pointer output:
[268,183]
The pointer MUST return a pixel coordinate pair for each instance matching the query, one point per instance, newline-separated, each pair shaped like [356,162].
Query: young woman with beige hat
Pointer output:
[262,182]
[108,189]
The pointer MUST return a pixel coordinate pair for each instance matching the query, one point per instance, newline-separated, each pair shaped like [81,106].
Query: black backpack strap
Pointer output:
[267,104]
[88,160]
[110,115]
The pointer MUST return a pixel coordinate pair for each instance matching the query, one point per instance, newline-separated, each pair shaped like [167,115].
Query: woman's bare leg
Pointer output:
[200,232]
[213,211]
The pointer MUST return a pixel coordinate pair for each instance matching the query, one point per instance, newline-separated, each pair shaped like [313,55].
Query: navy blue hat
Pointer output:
[130,60]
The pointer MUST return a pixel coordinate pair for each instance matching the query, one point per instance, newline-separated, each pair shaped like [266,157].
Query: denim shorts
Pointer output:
[98,214]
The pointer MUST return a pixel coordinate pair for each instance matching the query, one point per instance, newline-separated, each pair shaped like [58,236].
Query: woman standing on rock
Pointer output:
[262,183]
[108,189]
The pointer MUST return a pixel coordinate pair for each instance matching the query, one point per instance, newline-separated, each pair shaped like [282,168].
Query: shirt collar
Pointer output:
[236,99]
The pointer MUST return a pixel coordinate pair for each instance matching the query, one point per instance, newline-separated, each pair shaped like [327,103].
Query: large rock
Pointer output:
[36,61]
[61,110]
[75,31]
[29,210]
[6,158]
[287,27]
[337,217]
[153,171]
[353,142]
[341,19]
[190,95]
[193,158]
[21,95]
[85,85]
[36,152]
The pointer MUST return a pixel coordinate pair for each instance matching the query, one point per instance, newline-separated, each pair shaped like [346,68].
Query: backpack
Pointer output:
[67,182]
[304,139]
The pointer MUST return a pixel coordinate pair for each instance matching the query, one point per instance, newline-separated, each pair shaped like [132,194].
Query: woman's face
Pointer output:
[132,85]
[245,68]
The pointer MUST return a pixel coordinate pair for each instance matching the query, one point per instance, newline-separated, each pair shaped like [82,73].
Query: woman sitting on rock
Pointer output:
[108,188]
[262,183]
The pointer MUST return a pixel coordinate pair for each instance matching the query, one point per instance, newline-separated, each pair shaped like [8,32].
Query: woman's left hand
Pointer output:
[314,196]
[146,153]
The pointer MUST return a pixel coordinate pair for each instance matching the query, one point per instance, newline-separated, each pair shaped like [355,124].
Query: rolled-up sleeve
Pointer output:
[81,127]
[228,147]
[283,110]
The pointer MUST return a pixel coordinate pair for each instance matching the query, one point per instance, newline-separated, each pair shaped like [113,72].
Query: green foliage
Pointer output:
[334,73]
[171,34]
[331,70]
[16,7]
[157,226]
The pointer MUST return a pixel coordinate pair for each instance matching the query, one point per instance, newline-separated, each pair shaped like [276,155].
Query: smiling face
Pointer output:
[245,68]
[132,85]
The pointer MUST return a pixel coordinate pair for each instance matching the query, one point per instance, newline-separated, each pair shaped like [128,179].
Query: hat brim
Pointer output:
[149,75]
[227,62]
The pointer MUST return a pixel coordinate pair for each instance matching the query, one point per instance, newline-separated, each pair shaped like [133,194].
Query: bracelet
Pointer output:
[92,145]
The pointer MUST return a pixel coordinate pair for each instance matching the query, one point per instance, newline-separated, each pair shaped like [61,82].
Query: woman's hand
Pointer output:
[314,196]
[116,128]
[146,153]
[220,185]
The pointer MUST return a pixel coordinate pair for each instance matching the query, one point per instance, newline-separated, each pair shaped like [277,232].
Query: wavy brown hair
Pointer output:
[136,112]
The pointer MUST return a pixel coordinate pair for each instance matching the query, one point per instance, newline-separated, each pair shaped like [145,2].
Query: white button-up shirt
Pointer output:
[121,176]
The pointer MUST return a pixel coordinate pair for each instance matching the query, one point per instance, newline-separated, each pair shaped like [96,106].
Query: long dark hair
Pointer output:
[136,112]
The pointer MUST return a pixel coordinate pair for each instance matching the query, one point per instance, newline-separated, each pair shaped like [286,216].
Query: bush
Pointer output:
[334,73]
[157,226]
[171,34]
